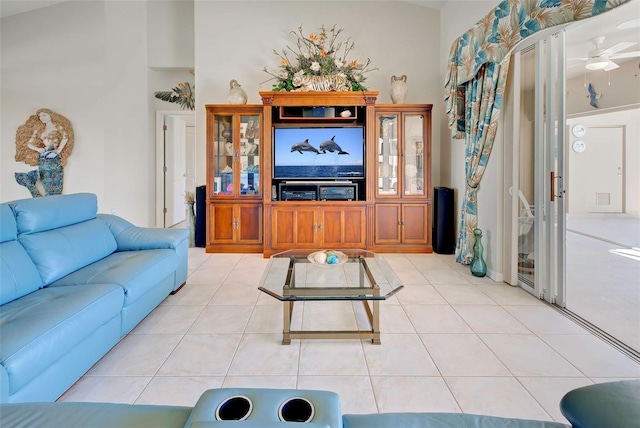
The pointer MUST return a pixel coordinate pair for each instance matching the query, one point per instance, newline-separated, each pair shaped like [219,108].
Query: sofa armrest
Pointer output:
[131,238]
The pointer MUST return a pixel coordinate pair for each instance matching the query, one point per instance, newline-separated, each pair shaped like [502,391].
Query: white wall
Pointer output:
[89,61]
[51,59]
[235,40]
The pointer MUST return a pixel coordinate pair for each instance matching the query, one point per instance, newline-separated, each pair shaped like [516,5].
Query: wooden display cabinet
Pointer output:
[392,208]
[312,226]
[402,178]
[234,182]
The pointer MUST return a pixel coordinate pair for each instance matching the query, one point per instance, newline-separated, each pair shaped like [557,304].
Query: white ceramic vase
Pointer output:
[398,89]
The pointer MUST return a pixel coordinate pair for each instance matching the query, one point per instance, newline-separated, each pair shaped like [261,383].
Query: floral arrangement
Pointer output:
[319,54]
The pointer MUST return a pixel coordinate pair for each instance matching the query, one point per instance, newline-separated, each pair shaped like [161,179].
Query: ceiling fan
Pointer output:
[602,59]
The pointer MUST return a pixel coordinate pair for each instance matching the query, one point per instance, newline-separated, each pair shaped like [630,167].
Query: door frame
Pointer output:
[160,160]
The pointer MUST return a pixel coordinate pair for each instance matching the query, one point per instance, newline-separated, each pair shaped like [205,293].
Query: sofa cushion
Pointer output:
[43,326]
[94,415]
[59,252]
[18,274]
[8,227]
[136,272]
[51,212]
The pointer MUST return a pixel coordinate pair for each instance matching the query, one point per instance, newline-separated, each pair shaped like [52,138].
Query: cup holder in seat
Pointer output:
[296,409]
[236,408]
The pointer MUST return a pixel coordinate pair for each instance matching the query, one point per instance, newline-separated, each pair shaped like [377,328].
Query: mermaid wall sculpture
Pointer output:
[45,141]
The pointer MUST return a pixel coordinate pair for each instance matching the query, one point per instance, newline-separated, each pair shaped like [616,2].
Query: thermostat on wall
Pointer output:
[579,146]
[579,130]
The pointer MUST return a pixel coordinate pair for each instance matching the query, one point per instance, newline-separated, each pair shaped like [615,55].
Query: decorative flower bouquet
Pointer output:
[319,55]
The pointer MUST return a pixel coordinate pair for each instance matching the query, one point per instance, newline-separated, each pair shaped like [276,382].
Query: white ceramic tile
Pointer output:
[410,276]
[235,294]
[266,381]
[505,294]
[495,396]
[412,394]
[436,319]
[204,276]
[461,294]
[356,392]
[397,260]
[136,355]
[393,319]
[245,274]
[328,315]
[544,320]
[106,389]
[177,391]
[222,319]
[420,295]
[548,391]
[443,275]
[592,356]
[528,355]
[422,261]
[332,357]
[168,319]
[192,294]
[264,354]
[462,355]
[392,356]
[201,355]
[490,319]
[225,261]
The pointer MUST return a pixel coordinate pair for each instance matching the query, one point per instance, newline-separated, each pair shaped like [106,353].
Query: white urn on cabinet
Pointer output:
[398,89]
[237,95]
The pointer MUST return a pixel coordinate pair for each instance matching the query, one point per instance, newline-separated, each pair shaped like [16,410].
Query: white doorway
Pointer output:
[596,175]
[175,165]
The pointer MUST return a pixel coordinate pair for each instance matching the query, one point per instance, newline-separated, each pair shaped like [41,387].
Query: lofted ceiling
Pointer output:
[580,35]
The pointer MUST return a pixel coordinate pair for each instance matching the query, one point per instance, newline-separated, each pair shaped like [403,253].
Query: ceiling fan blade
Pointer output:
[626,55]
[577,59]
[612,66]
[616,48]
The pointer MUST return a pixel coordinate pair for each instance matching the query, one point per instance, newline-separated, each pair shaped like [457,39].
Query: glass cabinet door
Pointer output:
[414,155]
[388,154]
[224,155]
[249,151]
[236,152]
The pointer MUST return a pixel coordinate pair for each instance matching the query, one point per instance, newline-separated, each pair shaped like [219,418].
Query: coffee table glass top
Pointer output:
[364,275]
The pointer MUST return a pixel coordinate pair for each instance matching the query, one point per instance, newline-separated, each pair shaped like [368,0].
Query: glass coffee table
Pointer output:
[295,276]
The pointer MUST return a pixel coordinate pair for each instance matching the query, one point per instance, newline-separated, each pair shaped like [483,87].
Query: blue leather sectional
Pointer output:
[72,283]
[268,408]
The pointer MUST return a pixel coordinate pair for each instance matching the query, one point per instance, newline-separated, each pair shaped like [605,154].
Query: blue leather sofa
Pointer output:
[72,284]
[226,407]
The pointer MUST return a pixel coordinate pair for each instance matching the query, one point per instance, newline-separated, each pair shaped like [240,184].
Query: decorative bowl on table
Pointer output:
[327,258]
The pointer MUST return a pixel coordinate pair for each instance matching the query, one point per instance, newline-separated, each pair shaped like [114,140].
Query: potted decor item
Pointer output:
[320,62]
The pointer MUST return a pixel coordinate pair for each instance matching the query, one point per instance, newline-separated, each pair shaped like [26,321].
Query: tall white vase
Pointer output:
[398,89]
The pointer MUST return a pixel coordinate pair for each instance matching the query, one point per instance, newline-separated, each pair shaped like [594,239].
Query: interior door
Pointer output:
[598,150]
[174,170]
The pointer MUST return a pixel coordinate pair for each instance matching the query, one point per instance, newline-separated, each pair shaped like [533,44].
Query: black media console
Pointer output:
[318,191]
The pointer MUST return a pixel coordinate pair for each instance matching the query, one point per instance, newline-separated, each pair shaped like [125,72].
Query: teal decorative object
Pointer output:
[478,266]
[332,259]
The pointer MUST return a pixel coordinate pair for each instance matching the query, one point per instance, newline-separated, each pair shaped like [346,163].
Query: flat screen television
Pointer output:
[319,152]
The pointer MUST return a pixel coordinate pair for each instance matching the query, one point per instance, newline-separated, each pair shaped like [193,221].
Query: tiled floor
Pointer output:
[451,342]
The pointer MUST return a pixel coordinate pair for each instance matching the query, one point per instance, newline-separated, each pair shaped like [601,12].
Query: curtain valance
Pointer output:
[495,35]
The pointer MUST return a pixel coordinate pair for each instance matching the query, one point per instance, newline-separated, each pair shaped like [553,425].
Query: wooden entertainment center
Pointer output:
[378,197]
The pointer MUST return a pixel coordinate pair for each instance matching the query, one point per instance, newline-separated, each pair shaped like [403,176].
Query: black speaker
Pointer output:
[443,221]
[201,216]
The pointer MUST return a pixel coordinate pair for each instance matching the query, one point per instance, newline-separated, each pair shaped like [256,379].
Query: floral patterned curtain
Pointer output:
[476,78]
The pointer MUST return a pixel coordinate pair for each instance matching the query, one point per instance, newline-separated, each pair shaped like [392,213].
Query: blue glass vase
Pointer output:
[478,266]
